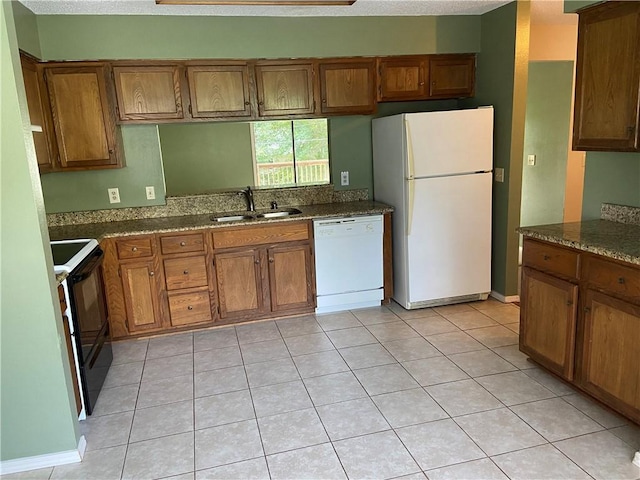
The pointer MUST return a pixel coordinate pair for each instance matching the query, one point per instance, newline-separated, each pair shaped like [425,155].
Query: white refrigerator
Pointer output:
[435,169]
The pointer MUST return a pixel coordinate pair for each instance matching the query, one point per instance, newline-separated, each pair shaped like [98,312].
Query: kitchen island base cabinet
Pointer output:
[610,366]
[548,321]
[580,319]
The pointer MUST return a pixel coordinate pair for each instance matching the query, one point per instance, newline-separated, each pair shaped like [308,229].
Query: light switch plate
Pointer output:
[499,175]
[114,195]
[151,193]
[531,160]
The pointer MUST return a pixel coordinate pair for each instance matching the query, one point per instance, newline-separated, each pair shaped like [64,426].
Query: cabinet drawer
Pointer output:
[240,237]
[134,247]
[612,277]
[182,243]
[549,258]
[185,272]
[186,308]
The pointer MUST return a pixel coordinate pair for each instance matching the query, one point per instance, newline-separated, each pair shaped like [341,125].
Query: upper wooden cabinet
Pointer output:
[219,90]
[348,86]
[284,88]
[402,78]
[452,76]
[148,92]
[607,107]
[39,114]
[83,116]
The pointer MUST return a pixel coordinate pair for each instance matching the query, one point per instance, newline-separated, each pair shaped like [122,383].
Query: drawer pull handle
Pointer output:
[134,249]
[621,280]
[257,262]
[151,274]
[186,272]
[182,244]
[545,257]
[190,307]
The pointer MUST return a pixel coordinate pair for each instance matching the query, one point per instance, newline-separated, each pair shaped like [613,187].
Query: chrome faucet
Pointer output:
[248,194]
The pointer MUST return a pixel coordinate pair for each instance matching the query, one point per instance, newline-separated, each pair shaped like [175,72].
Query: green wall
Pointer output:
[501,81]
[36,399]
[207,156]
[126,37]
[87,190]
[549,94]
[26,29]
[612,178]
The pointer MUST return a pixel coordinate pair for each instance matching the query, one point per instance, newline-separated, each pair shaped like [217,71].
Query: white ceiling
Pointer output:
[360,8]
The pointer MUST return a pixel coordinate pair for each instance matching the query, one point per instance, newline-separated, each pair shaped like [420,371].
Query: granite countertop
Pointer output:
[620,241]
[103,230]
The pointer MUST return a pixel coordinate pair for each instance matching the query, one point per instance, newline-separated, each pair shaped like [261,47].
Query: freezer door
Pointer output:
[449,143]
[449,244]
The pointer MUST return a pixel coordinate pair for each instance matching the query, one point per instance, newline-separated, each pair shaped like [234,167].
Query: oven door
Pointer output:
[91,326]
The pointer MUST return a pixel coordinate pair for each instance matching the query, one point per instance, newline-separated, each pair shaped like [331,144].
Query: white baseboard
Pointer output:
[42,461]
[503,299]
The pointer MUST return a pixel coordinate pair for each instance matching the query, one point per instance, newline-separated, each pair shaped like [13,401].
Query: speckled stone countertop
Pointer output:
[617,240]
[102,230]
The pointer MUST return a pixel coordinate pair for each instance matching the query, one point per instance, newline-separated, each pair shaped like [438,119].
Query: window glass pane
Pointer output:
[273,143]
[311,151]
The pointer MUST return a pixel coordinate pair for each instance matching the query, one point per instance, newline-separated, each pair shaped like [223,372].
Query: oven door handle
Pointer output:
[89,266]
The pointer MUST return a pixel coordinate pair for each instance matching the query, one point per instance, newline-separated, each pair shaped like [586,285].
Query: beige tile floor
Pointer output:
[438,393]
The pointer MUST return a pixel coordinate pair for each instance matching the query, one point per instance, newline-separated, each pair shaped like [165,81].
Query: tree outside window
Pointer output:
[291,152]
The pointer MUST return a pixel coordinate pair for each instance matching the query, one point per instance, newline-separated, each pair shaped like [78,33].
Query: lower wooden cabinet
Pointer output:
[581,320]
[291,278]
[548,321]
[240,284]
[142,295]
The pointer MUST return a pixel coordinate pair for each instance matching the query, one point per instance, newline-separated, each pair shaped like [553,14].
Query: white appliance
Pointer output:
[435,169]
[349,271]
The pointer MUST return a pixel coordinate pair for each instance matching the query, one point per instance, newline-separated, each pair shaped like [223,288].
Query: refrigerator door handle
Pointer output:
[410,200]
[410,160]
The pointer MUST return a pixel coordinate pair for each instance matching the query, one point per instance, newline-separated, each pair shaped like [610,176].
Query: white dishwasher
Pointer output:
[349,271]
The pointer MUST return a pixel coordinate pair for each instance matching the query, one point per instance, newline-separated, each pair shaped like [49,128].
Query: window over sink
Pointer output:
[290,152]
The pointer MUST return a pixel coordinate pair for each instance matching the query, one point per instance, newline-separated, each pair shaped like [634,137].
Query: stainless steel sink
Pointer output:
[232,218]
[280,213]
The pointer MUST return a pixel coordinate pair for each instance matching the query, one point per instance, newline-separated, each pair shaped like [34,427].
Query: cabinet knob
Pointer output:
[151,274]
[569,303]
[271,260]
[134,249]
[247,103]
[421,84]
[433,83]
[621,280]
[545,257]
[257,262]
[260,103]
[111,151]
[587,309]
[182,244]
[186,272]
[324,100]
[190,307]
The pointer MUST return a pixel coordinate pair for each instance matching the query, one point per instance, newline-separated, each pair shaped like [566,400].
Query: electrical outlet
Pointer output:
[114,195]
[531,160]
[151,193]
[499,175]
[344,178]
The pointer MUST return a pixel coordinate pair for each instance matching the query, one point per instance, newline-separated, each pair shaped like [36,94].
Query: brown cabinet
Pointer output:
[402,78]
[264,270]
[581,320]
[220,90]
[548,321]
[285,88]
[142,295]
[452,76]
[347,86]
[83,117]
[148,92]
[607,105]
[39,114]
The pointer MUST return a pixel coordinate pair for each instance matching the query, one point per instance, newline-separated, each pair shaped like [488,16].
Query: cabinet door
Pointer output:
[452,76]
[548,321]
[402,78]
[240,283]
[82,117]
[607,78]
[148,92]
[142,293]
[348,87]
[291,278]
[609,367]
[219,91]
[44,139]
[285,89]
